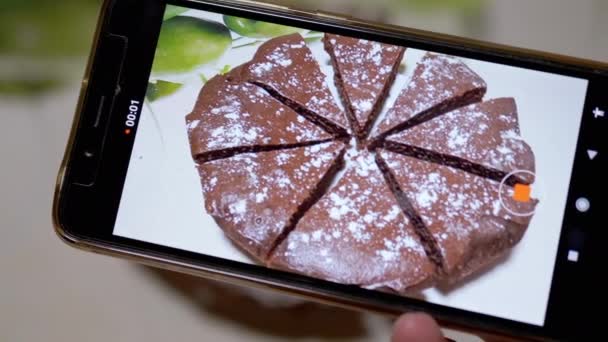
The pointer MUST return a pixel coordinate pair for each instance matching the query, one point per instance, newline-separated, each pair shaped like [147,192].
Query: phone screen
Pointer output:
[389,168]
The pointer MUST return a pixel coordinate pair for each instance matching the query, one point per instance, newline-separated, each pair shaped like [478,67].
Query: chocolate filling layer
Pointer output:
[329,126]
[449,105]
[315,195]
[452,161]
[361,132]
[429,243]
[350,114]
[229,152]
[382,99]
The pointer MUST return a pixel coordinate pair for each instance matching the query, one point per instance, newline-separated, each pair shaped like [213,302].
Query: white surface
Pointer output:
[51,292]
[162,201]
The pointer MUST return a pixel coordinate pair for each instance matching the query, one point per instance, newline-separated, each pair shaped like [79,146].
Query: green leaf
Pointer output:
[247,44]
[186,43]
[161,89]
[312,39]
[258,29]
[204,78]
[225,69]
[173,11]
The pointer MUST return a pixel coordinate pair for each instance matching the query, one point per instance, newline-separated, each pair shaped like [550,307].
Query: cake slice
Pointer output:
[257,197]
[231,116]
[287,69]
[482,138]
[440,83]
[364,73]
[458,213]
[356,234]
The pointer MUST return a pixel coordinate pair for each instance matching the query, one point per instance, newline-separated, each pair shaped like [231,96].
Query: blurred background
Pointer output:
[49,292]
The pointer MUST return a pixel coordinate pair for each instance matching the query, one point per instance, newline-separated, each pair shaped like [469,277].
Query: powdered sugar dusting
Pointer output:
[362,106]
[437,78]
[261,68]
[244,190]
[365,68]
[240,114]
[485,133]
[193,124]
[360,227]
[455,206]
[429,190]
[356,232]
[295,74]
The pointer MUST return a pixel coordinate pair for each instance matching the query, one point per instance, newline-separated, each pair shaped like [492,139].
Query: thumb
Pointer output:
[417,327]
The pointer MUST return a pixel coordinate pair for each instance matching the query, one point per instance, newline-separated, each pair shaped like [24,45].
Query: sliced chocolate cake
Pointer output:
[357,234]
[422,206]
[364,72]
[233,117]
[483,138]
[286,68]
[440,83]
[460,213]
[256,197]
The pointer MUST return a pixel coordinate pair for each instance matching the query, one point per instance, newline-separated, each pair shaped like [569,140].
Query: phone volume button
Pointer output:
[97,109]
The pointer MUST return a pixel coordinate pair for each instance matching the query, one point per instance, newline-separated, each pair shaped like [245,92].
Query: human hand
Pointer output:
[417,327]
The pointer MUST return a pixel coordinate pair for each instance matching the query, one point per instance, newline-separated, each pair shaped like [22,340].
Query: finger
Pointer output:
[417,327]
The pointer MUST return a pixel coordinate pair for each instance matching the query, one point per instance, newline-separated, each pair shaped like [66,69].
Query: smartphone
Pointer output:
[363,165]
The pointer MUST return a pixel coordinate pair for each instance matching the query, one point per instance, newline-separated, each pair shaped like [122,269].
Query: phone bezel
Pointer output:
[83,215]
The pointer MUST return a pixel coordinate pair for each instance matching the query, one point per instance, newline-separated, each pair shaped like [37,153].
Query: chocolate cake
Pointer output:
[357,234]
[419,206]
[458,212]
[484,137]
[233,117]
[364,73]
[257,197]
[439,84]
[286,68]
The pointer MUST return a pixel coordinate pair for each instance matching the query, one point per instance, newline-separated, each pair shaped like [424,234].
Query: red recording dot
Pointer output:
[127,131]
